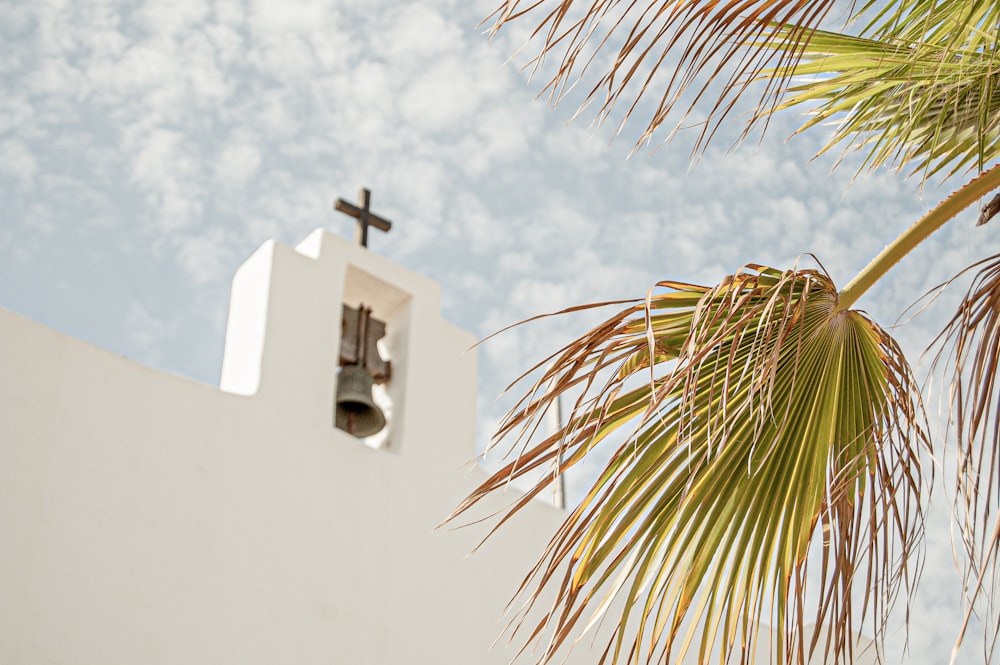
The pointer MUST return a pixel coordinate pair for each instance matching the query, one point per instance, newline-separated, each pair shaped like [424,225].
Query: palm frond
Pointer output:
[696,40]
[925,104]
[762,436]
[971,345]
[961,25]
[916,86]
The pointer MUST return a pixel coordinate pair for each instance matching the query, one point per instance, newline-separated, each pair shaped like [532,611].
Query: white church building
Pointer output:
[149,519]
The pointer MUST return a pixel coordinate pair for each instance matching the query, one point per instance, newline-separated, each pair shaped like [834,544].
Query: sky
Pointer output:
[148,147]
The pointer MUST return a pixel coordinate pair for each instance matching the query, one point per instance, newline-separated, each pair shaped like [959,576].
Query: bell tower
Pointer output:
[300,317]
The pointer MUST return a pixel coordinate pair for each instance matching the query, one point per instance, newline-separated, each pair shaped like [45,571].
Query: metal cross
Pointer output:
[363,215]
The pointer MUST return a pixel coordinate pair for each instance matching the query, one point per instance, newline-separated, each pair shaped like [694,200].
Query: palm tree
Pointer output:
[764,429]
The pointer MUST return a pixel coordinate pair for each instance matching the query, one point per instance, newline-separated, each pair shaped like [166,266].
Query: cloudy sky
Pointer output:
[148,147]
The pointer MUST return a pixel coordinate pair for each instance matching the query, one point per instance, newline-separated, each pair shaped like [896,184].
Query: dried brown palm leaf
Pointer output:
[915,86]
[699,42]
[971,344]
[766,469]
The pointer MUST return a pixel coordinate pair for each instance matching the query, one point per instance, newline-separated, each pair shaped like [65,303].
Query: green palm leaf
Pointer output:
[927,104]
[763,433]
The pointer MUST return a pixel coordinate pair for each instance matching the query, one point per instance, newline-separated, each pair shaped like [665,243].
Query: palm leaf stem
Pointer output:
[917,233]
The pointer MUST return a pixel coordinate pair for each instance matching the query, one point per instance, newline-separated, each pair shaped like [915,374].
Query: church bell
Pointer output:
[361,367]
[357,413]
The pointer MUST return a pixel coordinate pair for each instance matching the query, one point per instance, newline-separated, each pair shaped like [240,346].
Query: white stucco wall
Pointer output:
[147,518]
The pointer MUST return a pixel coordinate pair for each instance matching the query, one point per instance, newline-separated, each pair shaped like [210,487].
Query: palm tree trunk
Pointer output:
[917,233]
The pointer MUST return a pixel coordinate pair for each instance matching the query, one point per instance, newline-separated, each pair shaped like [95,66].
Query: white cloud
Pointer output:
[498,139]
[420,183]
[206,258]
[485,234]
[292,16]
[56,27]
[439,98]
[238,161]
[418,32]
[227,43]
[17,161]
[170,19]
[297,41]
[56,75]
[168,170]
